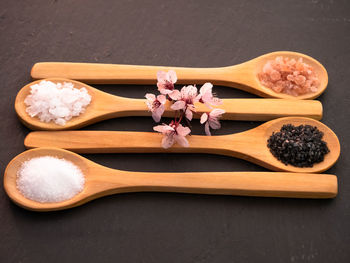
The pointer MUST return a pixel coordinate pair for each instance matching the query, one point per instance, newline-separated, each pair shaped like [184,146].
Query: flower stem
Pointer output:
[182,114]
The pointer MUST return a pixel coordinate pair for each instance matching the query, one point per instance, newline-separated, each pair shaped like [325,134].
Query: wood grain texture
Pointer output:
[242,76]
[101,181]
[152,227]
[106,106]
[250,145]
[148,227]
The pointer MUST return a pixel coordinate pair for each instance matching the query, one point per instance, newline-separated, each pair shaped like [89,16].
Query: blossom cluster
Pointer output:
[183,103]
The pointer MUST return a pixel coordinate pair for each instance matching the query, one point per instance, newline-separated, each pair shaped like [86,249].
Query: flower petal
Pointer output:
[175,94]
[150,97]
[171,76]
[168,141]
[179,105]
[189,92]
[161,76]
[206,88]
[183,131]
[156,117]
[163,128]
[159,128]
[161,99]
[149,105]
[207,130]
[157,114]
[216,113]
[191,107]
[181,140]
[214,124]
[189,114]
[204,118]
[162,89]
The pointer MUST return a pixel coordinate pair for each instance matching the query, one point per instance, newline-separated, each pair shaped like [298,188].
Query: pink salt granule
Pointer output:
[289,76]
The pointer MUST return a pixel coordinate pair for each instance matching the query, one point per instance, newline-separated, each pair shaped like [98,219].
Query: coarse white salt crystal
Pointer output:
[57,102]
[49,179]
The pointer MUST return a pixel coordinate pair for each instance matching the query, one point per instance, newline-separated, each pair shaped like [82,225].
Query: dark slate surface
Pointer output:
[156,227]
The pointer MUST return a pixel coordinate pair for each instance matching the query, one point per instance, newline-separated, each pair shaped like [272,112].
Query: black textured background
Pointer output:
[162,227]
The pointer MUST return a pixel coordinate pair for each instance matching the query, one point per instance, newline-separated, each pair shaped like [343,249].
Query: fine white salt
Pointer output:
[49,179]
[57,102]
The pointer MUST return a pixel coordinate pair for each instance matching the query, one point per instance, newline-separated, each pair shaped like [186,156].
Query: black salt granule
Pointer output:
[300,146]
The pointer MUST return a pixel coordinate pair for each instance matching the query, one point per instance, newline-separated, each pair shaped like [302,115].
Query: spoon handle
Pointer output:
[96,73]
[268,184]
[120,142]
[235,109]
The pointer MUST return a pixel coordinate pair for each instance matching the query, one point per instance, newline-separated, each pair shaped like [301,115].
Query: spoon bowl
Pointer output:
[106,106]
[329,137]
[101,181]
[242,76]
[101,107]
[13,167]
[258,63]
[249,145]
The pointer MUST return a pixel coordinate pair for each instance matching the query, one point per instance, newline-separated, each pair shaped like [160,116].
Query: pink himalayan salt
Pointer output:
[290,76]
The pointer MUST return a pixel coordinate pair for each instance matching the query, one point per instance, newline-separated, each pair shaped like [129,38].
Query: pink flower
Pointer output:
[155,105]
[173,133]
[206,96]
[212,120]
[165,84]
[186,101]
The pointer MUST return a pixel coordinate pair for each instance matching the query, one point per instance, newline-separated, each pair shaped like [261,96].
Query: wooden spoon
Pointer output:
[106,106]
[242,76]
[250,145]
[101,181]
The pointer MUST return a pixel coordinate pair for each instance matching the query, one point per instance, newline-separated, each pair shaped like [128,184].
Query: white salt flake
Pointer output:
[57,102]
[49,179]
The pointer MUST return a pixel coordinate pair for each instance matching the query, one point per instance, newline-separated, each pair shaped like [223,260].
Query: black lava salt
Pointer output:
[300,146]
